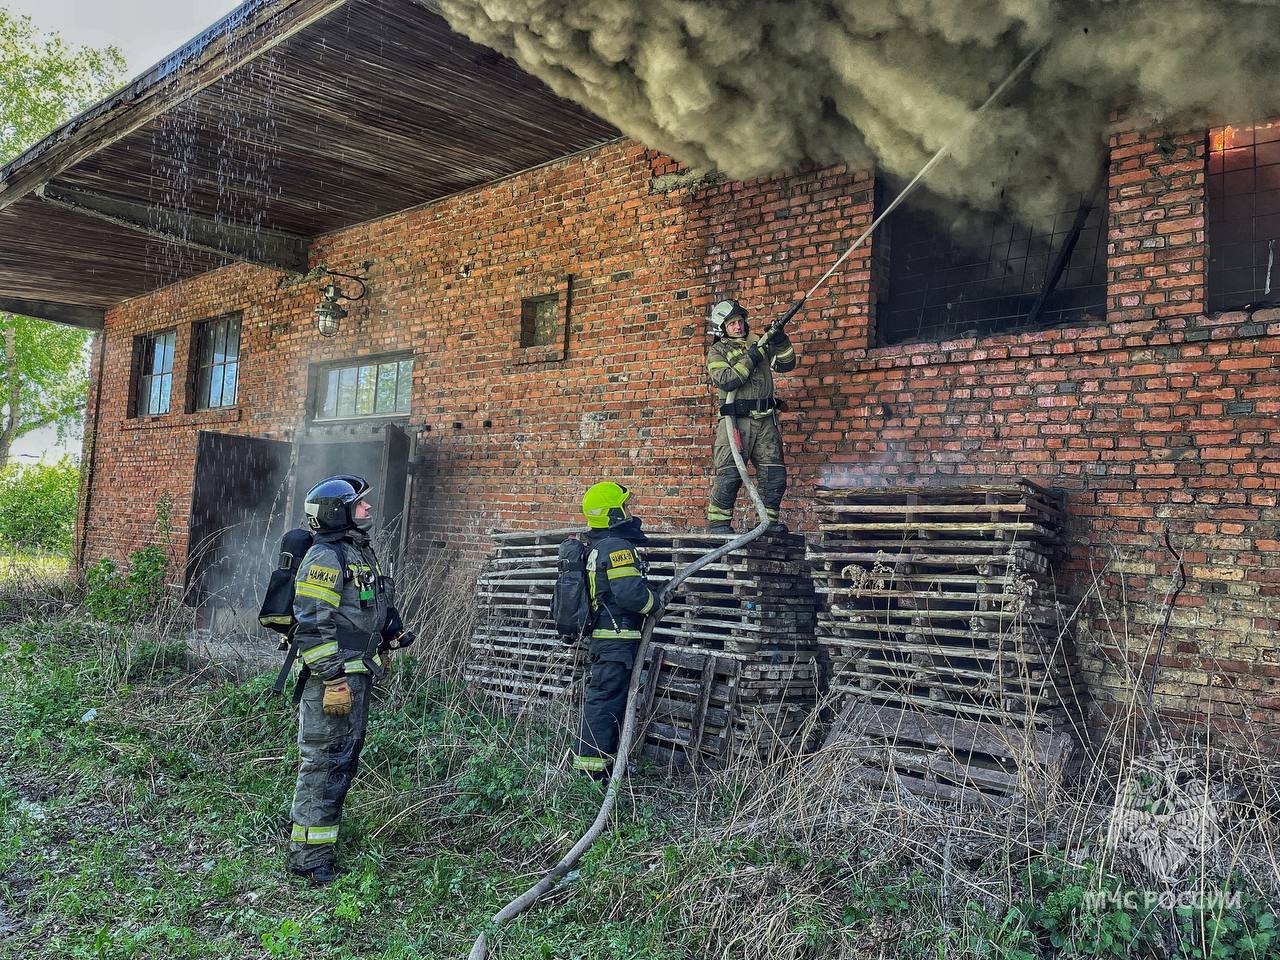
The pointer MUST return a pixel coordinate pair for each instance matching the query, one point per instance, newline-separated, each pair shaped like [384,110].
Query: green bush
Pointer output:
[38,505]
[117,598]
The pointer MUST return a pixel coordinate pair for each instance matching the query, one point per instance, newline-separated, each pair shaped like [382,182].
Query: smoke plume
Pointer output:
[753,87]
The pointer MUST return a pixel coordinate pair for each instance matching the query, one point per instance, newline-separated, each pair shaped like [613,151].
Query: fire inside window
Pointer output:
[539,320]
[155,373]
[217,362]
[1002,277]
[1243,214]
[375,389]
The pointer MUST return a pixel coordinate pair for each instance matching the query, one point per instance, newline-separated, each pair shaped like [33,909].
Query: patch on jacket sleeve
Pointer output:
[622,558]
[322,576]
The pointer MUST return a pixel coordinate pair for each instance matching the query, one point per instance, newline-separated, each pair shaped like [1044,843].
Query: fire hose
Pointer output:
[524,901]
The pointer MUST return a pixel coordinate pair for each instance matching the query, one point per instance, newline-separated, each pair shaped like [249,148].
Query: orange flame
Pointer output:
[1228,137]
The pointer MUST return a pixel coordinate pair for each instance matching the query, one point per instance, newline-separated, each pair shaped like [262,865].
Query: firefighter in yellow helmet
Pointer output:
[621,598]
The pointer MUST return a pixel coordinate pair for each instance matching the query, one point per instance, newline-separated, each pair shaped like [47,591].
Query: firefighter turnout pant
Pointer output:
[761,446]
[608,680]
[330,747]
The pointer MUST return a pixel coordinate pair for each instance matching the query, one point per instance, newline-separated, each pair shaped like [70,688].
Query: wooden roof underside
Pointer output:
[313,115]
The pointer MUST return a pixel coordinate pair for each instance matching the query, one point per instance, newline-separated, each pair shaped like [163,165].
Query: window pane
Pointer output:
[219,342]
[168,341]
[386,402]
[202,388]
[404,386]
[215,386]
[153,396]
[347,392]
[166,387]
[230,383]
[364,391]
[329,403]
[233,339]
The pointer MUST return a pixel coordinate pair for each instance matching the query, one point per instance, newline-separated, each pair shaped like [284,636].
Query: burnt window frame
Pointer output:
[559,289]
[1224,207]
[200,393]
[1088,221]
[144,346]
[319,376]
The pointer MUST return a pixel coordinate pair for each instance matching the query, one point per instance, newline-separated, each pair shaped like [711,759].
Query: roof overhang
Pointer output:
[285,120]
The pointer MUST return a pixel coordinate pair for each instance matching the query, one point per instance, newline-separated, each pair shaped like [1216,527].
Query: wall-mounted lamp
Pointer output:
[330,312]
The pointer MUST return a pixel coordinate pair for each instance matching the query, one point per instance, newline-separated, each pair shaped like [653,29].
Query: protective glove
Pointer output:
[385,659]
[754,353]
[337,697]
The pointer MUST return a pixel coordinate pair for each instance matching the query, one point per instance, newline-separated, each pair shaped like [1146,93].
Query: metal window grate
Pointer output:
[1243,214]
[940,288]
[217,363]
[377,389]
[155,373]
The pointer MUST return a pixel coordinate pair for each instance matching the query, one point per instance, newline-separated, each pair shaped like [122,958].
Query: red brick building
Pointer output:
[537,289]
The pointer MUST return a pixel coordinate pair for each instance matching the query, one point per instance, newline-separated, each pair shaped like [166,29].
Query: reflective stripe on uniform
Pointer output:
[715,513]
[648,604]
[616,572]
[316,834]
[355,666]
[785,354]
[283,618]
[312,655]
[331,597]
[717,365]
[602,634]
[591,764]
[742,370]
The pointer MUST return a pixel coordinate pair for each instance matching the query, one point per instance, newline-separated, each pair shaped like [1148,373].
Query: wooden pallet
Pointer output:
[734,669]
[940,614]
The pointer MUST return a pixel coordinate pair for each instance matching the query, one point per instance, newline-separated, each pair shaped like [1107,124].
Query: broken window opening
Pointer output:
[377,388]
[217,362]
[1242,186]
[155,373]
[539,320]
[1010,276]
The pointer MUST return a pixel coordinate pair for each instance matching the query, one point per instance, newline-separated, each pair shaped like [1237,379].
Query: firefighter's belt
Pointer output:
[745,408]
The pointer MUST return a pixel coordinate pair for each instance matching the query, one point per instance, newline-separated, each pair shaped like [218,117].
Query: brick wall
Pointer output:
[1161,419]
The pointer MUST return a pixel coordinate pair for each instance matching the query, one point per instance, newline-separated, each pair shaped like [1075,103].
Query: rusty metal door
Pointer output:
[238,509]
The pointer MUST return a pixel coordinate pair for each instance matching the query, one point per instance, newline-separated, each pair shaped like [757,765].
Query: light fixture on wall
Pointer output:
[330,312]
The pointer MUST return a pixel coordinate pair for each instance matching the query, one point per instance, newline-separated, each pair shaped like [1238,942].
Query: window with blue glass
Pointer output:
[155,373]
[217,362]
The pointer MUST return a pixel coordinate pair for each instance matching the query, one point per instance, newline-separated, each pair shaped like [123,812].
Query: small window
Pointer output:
[539,320]
[1000,277]
[1243,215]
[155,373]
[380,388]
[217,362]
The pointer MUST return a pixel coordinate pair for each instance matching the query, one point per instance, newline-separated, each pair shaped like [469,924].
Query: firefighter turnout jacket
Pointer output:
[620,594]
[733,369]
[340,612]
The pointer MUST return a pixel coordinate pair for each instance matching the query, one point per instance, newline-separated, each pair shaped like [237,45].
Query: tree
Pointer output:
[43,82]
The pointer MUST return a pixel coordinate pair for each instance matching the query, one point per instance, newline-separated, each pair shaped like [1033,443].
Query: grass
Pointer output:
[143,813]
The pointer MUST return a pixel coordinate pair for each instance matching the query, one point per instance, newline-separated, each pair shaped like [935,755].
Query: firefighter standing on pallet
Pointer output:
[737,365]
[345,625]
[620,600]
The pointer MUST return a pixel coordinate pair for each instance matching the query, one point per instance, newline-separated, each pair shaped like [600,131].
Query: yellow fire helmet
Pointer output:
[603,504]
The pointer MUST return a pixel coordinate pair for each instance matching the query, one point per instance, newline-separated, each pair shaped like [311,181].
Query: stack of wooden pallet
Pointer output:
[945,632]
[734,669]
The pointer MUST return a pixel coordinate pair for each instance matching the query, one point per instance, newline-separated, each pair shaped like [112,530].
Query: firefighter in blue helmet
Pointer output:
[341,606]
[621,598]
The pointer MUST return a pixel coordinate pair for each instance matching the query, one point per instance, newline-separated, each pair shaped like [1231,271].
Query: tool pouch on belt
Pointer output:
[745,408]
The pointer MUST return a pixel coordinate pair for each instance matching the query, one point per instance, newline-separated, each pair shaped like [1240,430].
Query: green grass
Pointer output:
[143,813]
